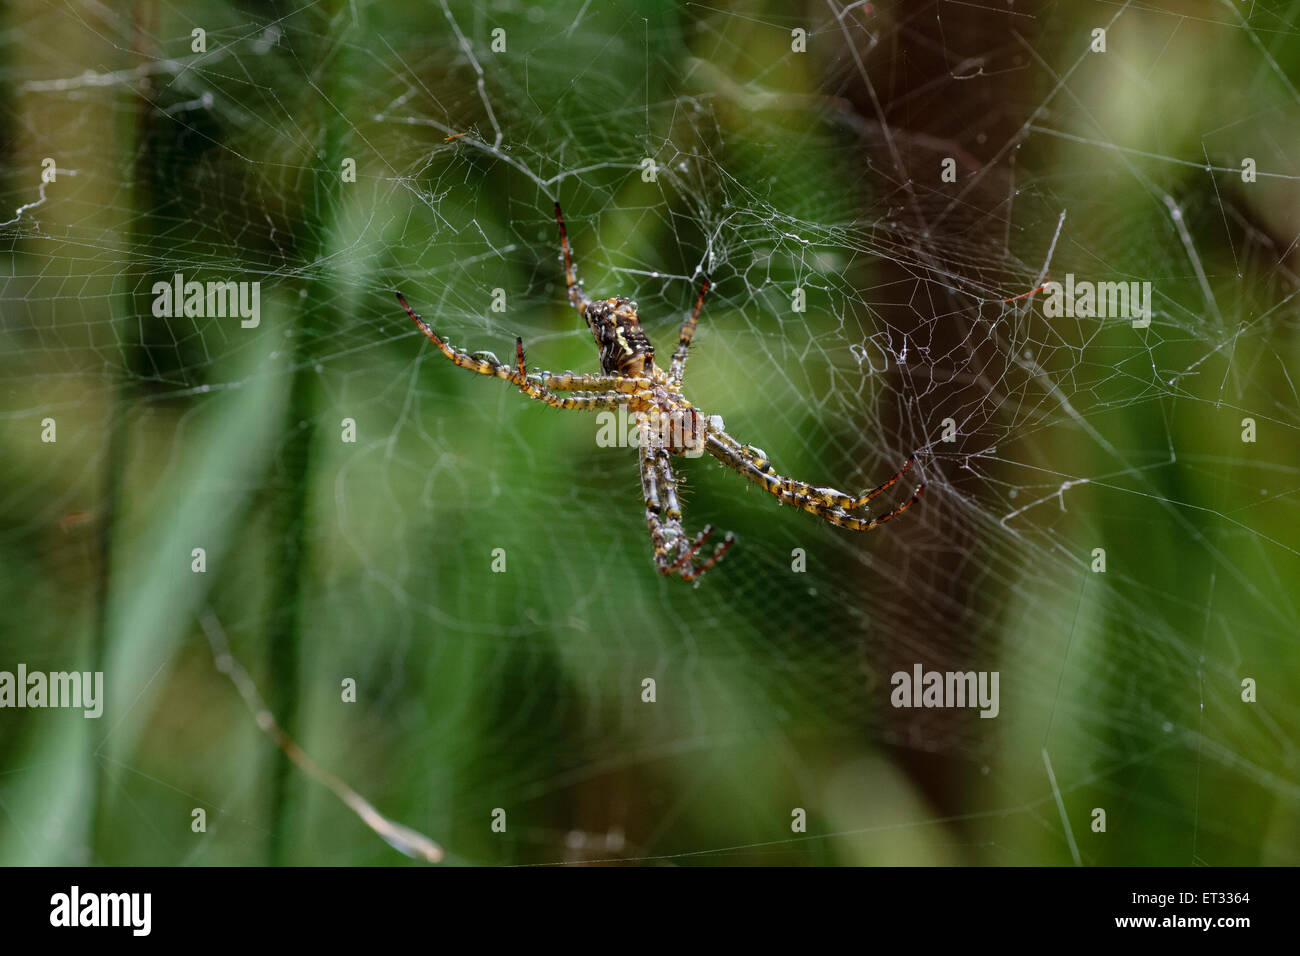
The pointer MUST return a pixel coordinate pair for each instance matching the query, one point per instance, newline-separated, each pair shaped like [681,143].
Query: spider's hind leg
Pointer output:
[866,496]
[828,504]
[674,550]
[691,572]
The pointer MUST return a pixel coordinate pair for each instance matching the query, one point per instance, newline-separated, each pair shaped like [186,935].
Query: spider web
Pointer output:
[858,314]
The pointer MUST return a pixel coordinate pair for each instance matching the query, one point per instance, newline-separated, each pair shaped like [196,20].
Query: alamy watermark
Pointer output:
[1102,300]
[684,431]
[82,689]
[922,688]
[217,300]
[75,908]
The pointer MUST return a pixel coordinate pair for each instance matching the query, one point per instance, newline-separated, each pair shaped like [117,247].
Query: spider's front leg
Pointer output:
[674,550]
[531,386]
[678,366]
[577,295]
[609,391]
[827,503]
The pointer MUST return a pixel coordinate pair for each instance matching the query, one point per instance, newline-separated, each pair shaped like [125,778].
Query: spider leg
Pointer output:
[694,573]
[534,385]
[664,518]
[472,362]
[650,492]
[574,382]
[573,401]
[886,484]
[678,367]
[720,552]
[830,496]
[827,503]
[690,552]
[673,512]
[577,295]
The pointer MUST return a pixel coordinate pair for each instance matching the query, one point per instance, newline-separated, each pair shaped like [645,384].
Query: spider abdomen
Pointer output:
[624,347]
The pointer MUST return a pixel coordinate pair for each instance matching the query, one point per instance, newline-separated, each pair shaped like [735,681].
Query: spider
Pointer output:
[667,423]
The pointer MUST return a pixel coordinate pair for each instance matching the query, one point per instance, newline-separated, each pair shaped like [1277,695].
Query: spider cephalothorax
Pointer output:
[667,423]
